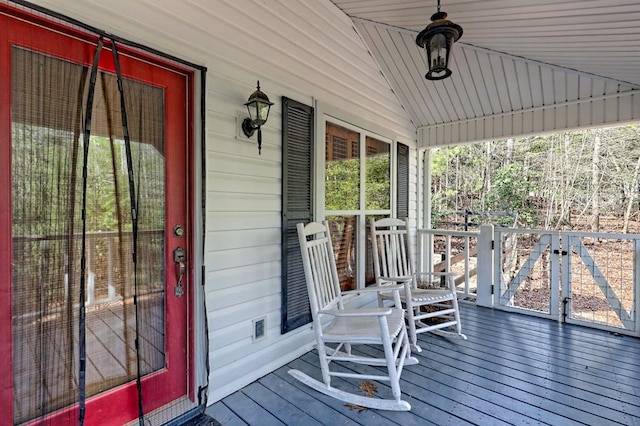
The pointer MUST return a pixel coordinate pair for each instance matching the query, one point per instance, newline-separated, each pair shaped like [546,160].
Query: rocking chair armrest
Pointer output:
[432,283]
[405,284]
[369,312]
[398,279]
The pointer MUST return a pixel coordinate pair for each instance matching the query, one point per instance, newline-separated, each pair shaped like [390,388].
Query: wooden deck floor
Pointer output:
[513,369]
[44,372]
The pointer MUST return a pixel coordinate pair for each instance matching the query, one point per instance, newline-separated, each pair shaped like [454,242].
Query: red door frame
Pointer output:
[119,405]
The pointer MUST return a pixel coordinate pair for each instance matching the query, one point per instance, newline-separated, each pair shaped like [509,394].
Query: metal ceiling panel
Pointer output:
[516,58]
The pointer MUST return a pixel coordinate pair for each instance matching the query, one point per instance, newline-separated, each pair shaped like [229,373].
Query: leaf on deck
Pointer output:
[368,388]
[360,408]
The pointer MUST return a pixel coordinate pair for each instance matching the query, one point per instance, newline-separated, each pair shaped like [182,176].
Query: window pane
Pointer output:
[342,174]
[344,237]
[378,175]
[369,273]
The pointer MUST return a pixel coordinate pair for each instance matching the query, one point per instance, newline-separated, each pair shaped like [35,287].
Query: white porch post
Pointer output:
[485,266]
[427,248]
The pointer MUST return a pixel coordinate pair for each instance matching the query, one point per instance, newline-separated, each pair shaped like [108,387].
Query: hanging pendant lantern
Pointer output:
[437,39]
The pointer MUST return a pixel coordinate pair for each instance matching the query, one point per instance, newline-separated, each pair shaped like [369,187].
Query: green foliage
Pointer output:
[378,183]
[511,192]
[342,185]
[45,192]
[550,180]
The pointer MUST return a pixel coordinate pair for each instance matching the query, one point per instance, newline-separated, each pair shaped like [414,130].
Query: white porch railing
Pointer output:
[466,254]
[583,278]
[108,261]
[591,279]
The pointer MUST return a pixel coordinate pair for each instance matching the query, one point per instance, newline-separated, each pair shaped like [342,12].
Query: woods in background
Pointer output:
[559,181]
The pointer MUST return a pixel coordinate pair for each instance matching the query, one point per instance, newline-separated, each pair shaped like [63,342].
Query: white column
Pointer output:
[485,266]
[427,247]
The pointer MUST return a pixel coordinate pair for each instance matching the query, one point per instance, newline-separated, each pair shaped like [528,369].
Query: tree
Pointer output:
[557,181]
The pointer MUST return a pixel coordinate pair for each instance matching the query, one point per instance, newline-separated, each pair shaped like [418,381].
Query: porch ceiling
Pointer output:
[516,59]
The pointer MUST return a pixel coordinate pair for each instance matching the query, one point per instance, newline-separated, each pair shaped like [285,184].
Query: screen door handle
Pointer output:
[179,258]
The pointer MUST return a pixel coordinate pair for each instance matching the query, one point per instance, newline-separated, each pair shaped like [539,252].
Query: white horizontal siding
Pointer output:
[306,50]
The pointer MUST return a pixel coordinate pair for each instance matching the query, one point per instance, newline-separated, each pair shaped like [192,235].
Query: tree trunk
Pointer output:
[487,174]
[595,185]
[631,198]
[510,147]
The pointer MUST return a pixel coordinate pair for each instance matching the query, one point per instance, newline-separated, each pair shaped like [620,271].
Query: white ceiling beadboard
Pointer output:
[521,67]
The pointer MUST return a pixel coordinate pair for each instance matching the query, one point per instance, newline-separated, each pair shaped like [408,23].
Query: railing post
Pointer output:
[427,238]
[111,288]
[485,266]
[91,277]
[635,309]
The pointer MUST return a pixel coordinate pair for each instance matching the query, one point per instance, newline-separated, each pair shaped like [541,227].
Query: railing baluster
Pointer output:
[426,253]
[111,295]
[95,291]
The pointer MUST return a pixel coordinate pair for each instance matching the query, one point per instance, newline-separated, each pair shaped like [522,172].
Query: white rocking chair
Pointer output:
[343,329]
[393,262]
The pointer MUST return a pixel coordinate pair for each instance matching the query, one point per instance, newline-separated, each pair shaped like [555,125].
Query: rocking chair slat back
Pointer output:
[338,330]
[394,249]
[393,264]
[324,291]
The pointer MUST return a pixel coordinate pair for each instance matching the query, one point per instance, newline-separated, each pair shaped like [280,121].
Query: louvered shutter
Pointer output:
[297,206]
[403,181]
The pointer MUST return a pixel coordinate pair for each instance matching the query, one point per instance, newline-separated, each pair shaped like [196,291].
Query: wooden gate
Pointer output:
[601,276]
[582,278]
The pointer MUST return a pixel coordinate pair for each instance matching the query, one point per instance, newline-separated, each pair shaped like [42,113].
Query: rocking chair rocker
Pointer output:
[427,309]
[339,330]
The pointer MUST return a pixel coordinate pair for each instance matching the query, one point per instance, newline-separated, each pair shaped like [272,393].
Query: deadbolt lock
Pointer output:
[178,231]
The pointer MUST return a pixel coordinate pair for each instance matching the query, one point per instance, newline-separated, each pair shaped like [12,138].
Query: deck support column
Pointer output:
[485,266]
[426,240]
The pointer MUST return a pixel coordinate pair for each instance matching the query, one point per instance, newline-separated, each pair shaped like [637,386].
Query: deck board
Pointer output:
[46,353]
[250,411]
[224,415]
[514,369]
[319,411]
[286,411]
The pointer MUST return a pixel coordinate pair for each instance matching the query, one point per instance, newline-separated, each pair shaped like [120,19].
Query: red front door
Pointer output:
[50,191]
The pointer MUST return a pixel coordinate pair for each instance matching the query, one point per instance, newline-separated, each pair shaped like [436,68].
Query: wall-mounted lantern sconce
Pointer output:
[437,39]
[258,106]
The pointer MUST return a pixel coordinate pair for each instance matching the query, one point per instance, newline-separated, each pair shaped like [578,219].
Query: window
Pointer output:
[358,180]
[357,187]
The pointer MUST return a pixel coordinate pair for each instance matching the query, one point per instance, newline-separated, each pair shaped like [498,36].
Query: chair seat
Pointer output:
[362,329]
[423,295]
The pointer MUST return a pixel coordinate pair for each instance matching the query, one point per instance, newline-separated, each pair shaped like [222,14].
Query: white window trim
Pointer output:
[324,114]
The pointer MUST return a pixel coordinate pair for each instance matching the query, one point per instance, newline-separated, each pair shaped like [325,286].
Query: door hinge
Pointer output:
[565,304]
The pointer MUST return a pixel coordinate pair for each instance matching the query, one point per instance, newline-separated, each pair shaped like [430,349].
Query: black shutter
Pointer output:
[403,181]
[297,206]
